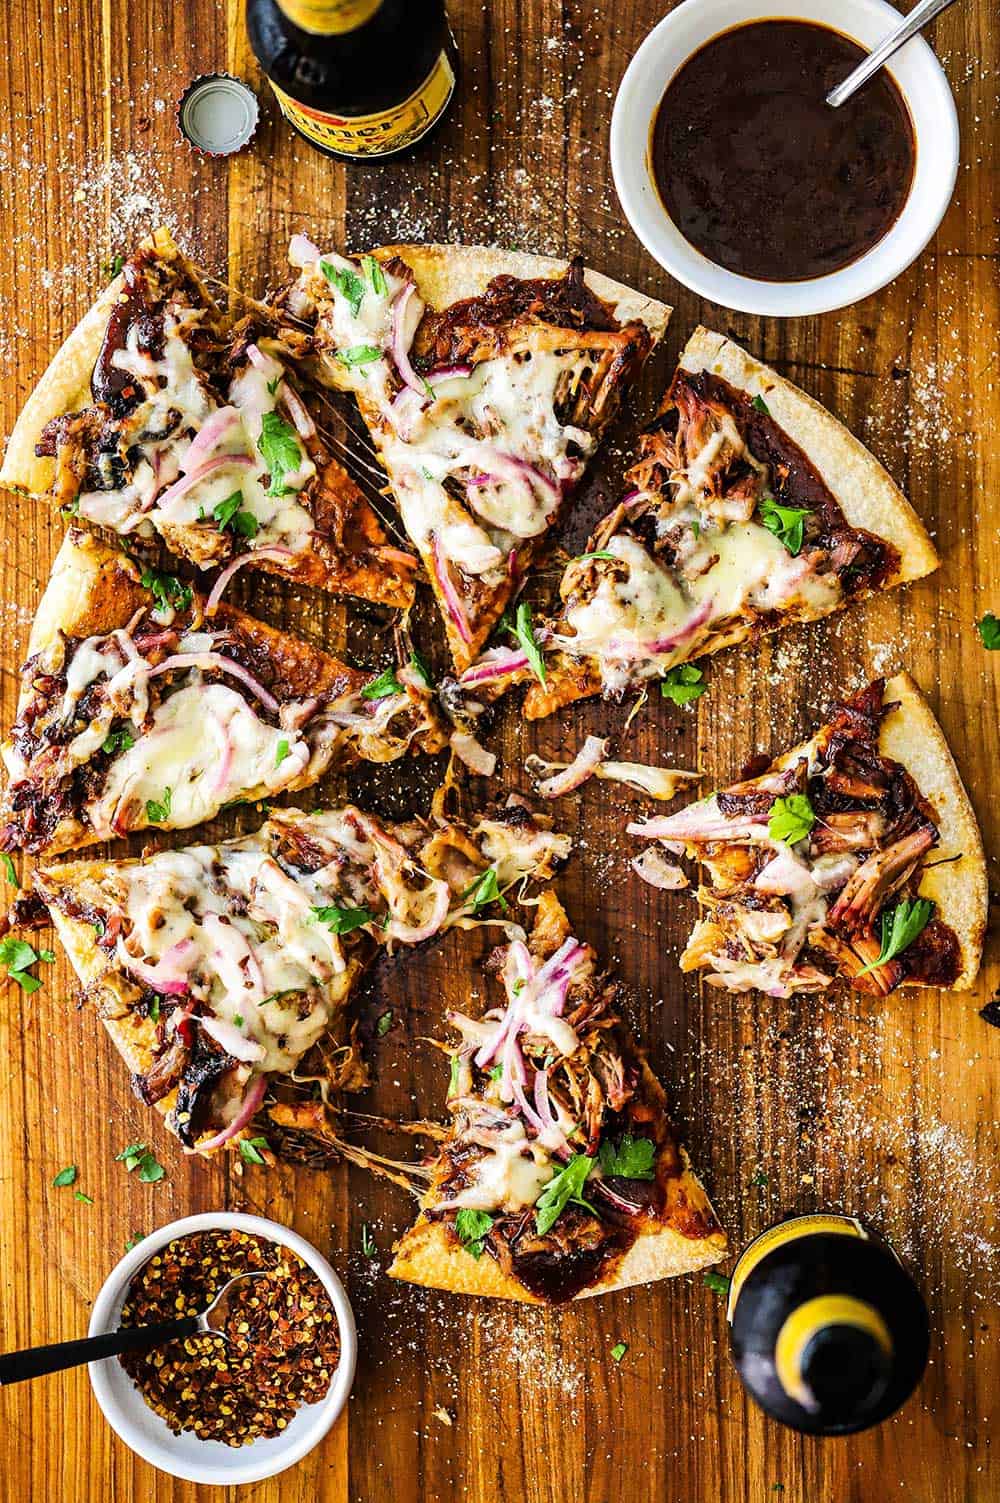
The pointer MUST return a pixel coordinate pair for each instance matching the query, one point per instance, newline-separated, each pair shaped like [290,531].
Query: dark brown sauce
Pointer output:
[759,173]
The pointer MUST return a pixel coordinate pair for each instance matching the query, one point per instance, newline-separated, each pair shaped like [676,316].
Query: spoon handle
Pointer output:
[922,12]
[36,1360]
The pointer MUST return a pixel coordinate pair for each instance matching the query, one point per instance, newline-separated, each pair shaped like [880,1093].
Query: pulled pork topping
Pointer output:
[809,861]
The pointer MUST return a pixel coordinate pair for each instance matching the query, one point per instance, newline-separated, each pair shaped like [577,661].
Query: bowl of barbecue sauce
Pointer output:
[747,186]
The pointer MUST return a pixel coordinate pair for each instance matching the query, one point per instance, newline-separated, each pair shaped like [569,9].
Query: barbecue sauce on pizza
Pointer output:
[759,173]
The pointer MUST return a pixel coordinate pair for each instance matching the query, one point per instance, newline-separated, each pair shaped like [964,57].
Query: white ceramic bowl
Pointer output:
[184,1455]
[922,83]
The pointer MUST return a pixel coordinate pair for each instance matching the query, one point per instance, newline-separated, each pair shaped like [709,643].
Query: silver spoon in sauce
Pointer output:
[34,1361]
[922,12]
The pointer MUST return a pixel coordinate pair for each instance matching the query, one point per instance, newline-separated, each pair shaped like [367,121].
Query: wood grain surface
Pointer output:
[888,1109]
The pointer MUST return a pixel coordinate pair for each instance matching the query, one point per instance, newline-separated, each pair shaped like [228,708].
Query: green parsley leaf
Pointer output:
[786,522]
[134,1240]
[17,955]
[759,1181]
[471,1228]
[523,629]
[456,1066]
[384,1024]
[901,925]
[989,631]
[150,1171]
[280,752]
[599,553]
[343,920]
[420,667]
[71,508]
[760,405]
[138,1156]
[368,1242]
[484,891]
[250,1150]
[168,591]
[238,1020]
[682,684]
[272,386]
[495,1072]
[791,818]
[158,812]
[347,283]
[66,1176]
[717,1282]
[633,1158]
[154,1009]
[8,867]
[281,450]
[380,688]
[230,512]
[618,1350]
[118,741]
[375,275]
[111,269]
[79,1195]
[359,354]
[565,1187]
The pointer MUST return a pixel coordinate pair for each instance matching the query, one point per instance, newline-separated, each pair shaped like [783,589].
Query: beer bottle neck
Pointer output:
[328,17]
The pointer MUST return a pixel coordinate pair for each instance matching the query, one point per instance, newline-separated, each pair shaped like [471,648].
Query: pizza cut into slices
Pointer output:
[139,706]
[749,507]
[163,416]
[855,856]
[561,1176]
[486,379]
[217,969]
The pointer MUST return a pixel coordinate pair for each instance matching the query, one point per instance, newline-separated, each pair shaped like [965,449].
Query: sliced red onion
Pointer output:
[223,665]
[400,345]
[497,662]
[475,756]
[397,556]
[451,596]
[235,1043]
[211,433]
[448,373]
[248,1109]
[181,487]
[630,498]
[405,407]
[700,822]
[302,251]
[276,554]
[169,974]
[653,867]
[686,632]
[571,775]
[304,425]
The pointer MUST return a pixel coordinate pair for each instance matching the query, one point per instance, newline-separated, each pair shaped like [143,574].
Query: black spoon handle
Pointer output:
[36,1360]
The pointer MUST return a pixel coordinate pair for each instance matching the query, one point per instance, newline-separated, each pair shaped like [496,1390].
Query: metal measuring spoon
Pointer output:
[922,12]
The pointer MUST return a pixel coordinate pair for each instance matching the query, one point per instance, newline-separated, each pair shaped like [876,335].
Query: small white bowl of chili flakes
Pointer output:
[236,1410]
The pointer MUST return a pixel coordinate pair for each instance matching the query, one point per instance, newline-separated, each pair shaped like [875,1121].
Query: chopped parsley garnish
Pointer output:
[359,354]
[419,665]
[375,275]
[791,818]
[343,920]
[111,269]
[759,1181]
[230,512]
[17,955]
[272,386]
[472,1228]
[989,631]
[683,683]
[250,1150]
[618,1350]
[565,1188]
[384,1024]
[138,1156]
[599,553]
[87,1199]
[368,1242]
[633,1158]
[118,741]
[134,1240]
[8,868]
[71,508]
[901,925]
[154,1009]
[238,1020]
[167,589]
[523,629]
[760,405]
[717,1282]
[484,891]
[280,752]
[456,1066]
[158,810]
[786,522]
[281,451]
[495,1072]
[66,1176]
[347,283]
[380,688]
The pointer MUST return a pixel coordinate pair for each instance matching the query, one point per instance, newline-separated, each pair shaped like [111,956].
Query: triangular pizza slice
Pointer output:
[217,969]
[854,856]
[143,704]
[749,507]
[161,415]
[562,1176]
[486,379]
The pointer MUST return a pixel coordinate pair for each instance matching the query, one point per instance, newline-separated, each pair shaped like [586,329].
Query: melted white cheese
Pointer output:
[510,1176]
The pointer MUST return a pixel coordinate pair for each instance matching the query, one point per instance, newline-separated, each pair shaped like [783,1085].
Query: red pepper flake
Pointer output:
[282,1342]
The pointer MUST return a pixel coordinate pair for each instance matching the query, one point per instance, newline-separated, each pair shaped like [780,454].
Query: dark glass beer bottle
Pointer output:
[827,1329]
[357,78]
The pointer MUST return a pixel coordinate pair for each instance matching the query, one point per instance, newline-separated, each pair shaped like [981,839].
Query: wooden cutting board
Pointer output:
[887,1109]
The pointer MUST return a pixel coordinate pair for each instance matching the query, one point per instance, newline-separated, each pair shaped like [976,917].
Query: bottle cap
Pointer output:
[218,114]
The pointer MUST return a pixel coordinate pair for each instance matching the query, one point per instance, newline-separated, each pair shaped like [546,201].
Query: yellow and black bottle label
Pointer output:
[380,134]
[778,1236]
[329,18]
